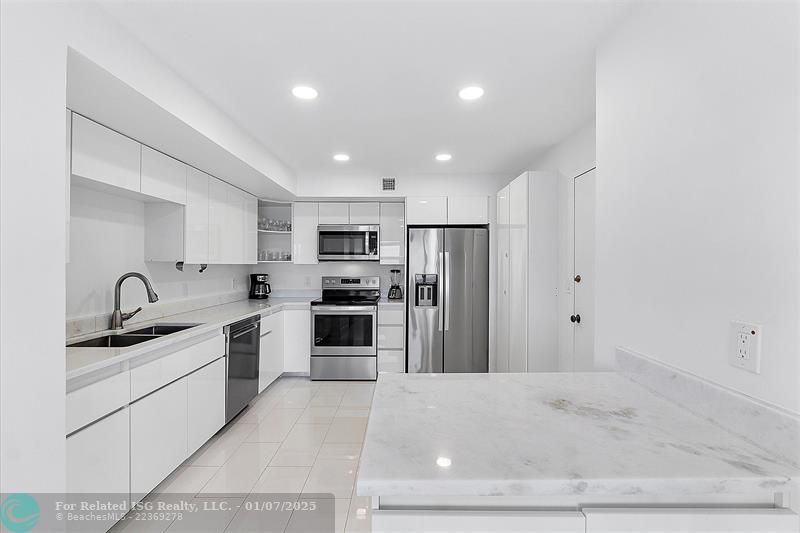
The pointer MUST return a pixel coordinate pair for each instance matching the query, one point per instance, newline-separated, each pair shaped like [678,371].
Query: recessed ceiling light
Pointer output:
[472,92]
[443,157]
[341,157]
[444,462]
[304,92]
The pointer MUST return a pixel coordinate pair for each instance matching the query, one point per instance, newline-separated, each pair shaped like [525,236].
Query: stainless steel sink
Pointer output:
[162,329]
[113,341]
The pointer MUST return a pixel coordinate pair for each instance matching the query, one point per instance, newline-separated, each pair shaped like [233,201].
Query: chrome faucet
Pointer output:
[119,317]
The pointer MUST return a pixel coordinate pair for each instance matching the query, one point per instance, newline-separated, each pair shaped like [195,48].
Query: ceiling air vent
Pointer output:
[388,184]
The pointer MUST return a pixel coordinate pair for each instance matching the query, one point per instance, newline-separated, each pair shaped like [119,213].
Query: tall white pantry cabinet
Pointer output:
[527,280]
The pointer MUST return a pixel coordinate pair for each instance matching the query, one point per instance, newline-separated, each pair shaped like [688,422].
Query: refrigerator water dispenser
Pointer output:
[426,290]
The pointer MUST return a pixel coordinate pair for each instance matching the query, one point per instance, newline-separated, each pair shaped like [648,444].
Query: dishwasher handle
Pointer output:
[238,333]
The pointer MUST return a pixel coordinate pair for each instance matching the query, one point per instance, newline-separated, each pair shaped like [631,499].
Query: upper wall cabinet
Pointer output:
[334,213]
[304,227]
[196,217]
[467,210]
[365,213]
[393,233]
[426,210]
[443,210]
[103,155]
[162,176]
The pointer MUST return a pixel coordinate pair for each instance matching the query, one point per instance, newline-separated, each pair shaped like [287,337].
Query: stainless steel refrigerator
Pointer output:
[448,300]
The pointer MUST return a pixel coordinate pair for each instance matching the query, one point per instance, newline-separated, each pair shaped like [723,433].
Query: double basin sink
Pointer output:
[130,338]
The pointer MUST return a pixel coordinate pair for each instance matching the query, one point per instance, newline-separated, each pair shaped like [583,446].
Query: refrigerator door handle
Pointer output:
[441,292]
[447,291]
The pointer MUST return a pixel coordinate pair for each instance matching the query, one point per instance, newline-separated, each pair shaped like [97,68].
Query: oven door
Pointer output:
[348,243]
[344,330]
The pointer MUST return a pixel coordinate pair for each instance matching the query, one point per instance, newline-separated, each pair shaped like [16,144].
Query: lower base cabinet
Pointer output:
[97,463]
[459,521]
[270,364]
[623,520]
[158,436]
[297,341]
[206,403]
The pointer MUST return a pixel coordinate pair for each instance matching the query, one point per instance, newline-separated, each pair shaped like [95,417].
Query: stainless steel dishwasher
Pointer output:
[241,363]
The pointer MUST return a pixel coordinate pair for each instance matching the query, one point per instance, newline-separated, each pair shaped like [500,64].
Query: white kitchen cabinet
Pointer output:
[205,404]
[334,213]
[250,229]
[163,177]
[390,337]
[517,275]
[98,463]
[297,340]
[365,213]
[426,210]
[391,361]
[105,156]
[217,220]
[467,210]
[621,520]
[196,217]
[304,227]
[393,233]
[271,358]
[96,400]
[503,256]
[68,182]
[158,436]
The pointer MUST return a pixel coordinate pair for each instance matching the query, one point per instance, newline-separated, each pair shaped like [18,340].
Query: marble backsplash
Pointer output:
[773,429]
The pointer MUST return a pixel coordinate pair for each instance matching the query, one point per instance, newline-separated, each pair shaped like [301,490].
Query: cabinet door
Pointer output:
[365,213]
[467,210]
[163,177]
[426,210]
[196,223]
[682,520]
[304,227]
[271,356]
[297,341]
[158,437]
[250,229]
[391,361]
[233,240]
[393,233]
[97,463]
[501,294]
[103,155]
[206,403]
[217,210]
[518,275]
[334,213]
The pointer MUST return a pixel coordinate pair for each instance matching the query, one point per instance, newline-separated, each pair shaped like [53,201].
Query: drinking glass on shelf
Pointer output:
[284,256]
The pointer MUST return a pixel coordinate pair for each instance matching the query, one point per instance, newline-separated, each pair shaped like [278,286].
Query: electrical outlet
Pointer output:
[745,350]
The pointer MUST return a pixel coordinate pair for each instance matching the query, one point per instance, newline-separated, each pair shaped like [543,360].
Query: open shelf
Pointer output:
[274,231]
[279,261]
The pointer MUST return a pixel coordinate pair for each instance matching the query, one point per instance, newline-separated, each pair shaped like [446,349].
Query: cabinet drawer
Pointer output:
[391,361]
[451,521]
[390,337]
[157,373]
[390,316]
[94,401]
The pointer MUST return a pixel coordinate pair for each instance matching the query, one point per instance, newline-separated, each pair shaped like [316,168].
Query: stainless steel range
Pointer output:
[344,324]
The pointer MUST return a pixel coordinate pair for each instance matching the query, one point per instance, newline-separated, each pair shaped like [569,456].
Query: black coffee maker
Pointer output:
[259,286]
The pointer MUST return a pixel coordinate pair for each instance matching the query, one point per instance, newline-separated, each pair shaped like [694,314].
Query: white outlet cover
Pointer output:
[745,346]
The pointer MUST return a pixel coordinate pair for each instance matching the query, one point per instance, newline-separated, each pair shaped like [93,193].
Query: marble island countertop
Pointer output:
[583,434]
[82,361]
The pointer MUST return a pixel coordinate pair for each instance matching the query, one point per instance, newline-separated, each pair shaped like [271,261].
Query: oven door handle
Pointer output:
[343,309]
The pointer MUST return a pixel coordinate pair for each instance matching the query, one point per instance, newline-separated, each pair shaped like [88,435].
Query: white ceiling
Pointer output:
[388,73]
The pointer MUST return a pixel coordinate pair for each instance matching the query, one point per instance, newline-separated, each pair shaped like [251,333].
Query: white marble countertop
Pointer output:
[83,361]
[585,434]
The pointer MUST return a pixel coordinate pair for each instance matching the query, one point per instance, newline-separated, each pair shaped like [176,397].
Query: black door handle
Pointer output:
[575,318]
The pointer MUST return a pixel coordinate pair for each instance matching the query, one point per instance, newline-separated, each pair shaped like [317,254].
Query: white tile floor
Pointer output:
[298,437]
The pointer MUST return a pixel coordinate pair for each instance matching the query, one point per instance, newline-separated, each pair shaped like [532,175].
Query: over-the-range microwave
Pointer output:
[348,243]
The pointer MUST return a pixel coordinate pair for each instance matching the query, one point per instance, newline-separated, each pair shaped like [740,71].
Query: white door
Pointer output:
[104,155]
[334,213]
[393,233]
[583,316]
[297,341]
[304,227]
[163,177]
[217,201]
[365,213]
[206,403]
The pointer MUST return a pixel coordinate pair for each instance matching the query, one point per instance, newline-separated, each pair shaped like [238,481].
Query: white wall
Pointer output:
[107,240]
[697,189]
[418,185]
[34,37]
[572,156]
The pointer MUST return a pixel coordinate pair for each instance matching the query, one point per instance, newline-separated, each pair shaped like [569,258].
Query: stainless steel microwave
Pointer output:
[348,243]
